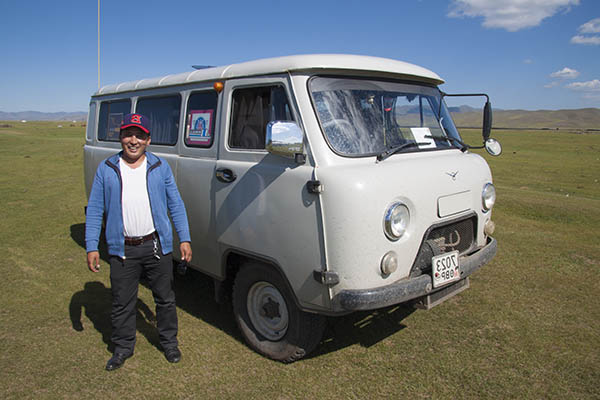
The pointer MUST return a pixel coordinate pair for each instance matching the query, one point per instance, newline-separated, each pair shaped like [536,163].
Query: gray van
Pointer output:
[315,185]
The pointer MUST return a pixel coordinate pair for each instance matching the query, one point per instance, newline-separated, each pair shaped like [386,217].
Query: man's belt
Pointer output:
[137,240]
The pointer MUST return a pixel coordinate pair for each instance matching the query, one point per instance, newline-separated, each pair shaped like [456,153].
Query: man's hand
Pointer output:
[93,261]
[186,251]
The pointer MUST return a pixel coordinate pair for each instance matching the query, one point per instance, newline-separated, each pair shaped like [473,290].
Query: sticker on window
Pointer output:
[199,127]
[420,135]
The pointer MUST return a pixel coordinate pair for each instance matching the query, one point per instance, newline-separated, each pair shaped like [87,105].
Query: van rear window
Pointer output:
[163,113]
[110,118]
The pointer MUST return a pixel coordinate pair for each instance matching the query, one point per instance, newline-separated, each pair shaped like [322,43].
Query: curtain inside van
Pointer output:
[163,113]
[253,109]
[250,117]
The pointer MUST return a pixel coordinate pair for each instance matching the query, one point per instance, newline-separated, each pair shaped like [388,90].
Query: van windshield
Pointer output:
[362,117]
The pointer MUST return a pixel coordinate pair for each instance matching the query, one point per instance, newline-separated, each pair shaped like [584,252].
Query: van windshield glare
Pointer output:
[362,118]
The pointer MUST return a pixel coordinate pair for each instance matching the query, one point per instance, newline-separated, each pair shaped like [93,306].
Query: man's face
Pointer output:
[134,142]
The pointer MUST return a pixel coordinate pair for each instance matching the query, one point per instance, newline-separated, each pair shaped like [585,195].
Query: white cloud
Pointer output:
[579,39]
[592,26]
[551,85]
[528,61]
[565,73]
[511,15]
[589,86]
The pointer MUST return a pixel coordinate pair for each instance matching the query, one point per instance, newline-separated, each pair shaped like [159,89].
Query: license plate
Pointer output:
[445,268]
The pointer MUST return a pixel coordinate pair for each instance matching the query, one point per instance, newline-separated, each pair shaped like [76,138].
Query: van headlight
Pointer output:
[488,197]
[396,220]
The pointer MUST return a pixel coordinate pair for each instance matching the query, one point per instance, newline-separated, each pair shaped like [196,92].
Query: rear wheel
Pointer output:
[268,318]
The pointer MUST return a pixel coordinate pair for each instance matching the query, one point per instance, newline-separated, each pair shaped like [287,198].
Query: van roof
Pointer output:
[310,62]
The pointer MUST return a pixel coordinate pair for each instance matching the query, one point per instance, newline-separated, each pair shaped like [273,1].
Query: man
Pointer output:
[134,189]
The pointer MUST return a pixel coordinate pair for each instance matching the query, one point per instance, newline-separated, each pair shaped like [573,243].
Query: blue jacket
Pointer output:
[105,199]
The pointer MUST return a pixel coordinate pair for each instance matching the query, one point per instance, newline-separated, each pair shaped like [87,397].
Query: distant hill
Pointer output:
[462,109]
[41,116]
[464,117]
[585,118]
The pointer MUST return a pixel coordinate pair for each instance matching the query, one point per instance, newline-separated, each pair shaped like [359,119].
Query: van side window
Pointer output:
[163,113]
[91,122]
[200,119]
[110,118]
[253,109]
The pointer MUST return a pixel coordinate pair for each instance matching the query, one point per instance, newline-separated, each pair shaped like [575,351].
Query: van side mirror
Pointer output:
[487,120]
[493,147]
[285,139]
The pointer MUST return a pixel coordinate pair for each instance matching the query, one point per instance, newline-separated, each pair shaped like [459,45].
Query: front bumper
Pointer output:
[408,289]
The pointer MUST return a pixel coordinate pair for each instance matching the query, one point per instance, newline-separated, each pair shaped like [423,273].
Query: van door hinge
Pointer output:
[327,278]
[315,187]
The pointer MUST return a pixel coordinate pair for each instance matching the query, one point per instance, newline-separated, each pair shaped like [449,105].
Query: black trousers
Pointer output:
[124,281]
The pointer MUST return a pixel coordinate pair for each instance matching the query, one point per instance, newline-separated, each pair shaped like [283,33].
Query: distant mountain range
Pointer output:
[584,118]
[464,116]
[42,116]
[462,109]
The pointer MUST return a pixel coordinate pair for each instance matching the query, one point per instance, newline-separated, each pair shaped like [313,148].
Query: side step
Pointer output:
[435,298]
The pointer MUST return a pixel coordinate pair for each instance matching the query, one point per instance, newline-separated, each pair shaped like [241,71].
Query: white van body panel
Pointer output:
[357,194]
[267,212]
[196,186]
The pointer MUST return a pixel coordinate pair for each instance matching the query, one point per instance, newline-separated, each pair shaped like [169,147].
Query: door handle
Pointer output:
[225,175]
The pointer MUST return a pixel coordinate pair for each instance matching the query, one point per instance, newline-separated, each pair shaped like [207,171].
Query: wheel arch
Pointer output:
[233,260]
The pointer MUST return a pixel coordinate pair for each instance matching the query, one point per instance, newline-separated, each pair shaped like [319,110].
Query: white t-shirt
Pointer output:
[137,216]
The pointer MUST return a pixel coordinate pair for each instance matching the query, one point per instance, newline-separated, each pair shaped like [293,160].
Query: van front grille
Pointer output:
[457,235]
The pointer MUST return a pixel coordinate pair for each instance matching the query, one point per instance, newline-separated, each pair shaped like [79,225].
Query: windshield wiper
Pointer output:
[394,150]
[463,147]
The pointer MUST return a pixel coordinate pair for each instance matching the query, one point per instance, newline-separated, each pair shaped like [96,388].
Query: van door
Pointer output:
[262,206]
[195,175]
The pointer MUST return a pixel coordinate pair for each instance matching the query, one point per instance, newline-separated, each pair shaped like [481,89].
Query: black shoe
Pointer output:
[173,355]
[116,361]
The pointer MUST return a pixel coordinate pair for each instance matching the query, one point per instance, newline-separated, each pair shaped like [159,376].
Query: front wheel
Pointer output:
[268,318]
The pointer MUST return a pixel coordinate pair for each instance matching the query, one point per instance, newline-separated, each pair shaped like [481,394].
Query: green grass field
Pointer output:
[528,328]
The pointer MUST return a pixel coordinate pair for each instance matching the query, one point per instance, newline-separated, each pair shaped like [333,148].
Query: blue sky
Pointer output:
[526,54]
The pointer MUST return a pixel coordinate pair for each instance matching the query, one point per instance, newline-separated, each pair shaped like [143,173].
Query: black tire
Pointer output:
[281,332]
